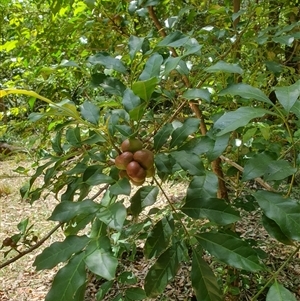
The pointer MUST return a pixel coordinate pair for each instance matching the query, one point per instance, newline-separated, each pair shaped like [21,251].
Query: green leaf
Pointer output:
[284,211]
[256,166]
[127,278]
[121,187]
[138,112]
[104,289]
[109,84]
[231,250]
[199,145]
[73,136]
[162,136]
[222,66]
[135,45]
[197,93]
[247,92]
[287,96]
[145,196]
[144,89]
[60,252]
[216,210]
[204,282]
[231,121]
[113,215]
[160,237]
[175,39]
[170,64]
[103,58]
[190,126]
[278,170]
[278,292]
[93,176]
[135,293]
[284,40]
[90,112]
[274,230]
[163,271]
[66,210]
[220,144]
[152,67]
[22,226]
[101,261]
[189,162]
[68,280]
[130,101]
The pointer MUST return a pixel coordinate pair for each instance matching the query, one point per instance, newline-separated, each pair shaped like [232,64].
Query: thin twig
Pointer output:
[37,245]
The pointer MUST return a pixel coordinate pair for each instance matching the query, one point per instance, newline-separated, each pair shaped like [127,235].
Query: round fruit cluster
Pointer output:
[134,162]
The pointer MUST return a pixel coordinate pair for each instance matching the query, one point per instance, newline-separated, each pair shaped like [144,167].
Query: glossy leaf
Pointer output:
[159,238]
[284,211]
[278,292]
[231,121]
[130,100]
[163,271]
[175,39]
[100,260]
[189,162]
[152,67]
[287,96]
[93,176]
[66,210]
[222,66]
[68,280]
[162,136]
[144,89]
[204,282]
[145,196]
[73,136]
[179,135]
[216,210]
[103,58]
[198,145]
[247,92]
[274,230]
[278,170]
[219,146]
[121,187]
[256,166]
[60,252]
[90,112]
[202,94]
[135,293]
[135,45]
[231,250]
[113,215]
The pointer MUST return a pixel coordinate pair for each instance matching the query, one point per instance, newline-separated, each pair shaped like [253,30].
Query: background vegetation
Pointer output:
[210,87]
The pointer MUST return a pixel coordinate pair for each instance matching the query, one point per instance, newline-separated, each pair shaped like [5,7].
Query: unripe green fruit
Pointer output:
[122,160]
[144,157]
[131,145]
[123,174]
[135,171]
[150,172]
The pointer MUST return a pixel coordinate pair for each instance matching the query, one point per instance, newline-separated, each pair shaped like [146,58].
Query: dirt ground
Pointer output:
[20,282]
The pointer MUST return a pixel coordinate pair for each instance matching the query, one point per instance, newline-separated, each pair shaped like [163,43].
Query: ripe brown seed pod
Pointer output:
[144,157]
[135,171]
[122,160]
[131,145]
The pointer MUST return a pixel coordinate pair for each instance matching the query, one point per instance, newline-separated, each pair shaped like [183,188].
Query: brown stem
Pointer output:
[37,245]
[216,164]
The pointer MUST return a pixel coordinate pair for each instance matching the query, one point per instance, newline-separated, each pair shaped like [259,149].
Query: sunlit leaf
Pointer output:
[222,66]
[90,112]
[278,292]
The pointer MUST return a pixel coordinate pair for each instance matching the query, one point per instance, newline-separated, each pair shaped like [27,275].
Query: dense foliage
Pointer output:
[210,87]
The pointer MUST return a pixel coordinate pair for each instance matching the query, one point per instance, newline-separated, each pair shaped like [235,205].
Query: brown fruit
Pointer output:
[7,242]
[137,183]
[131,145]
[122,160]
[150,172]
[144,157]
[135,171]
